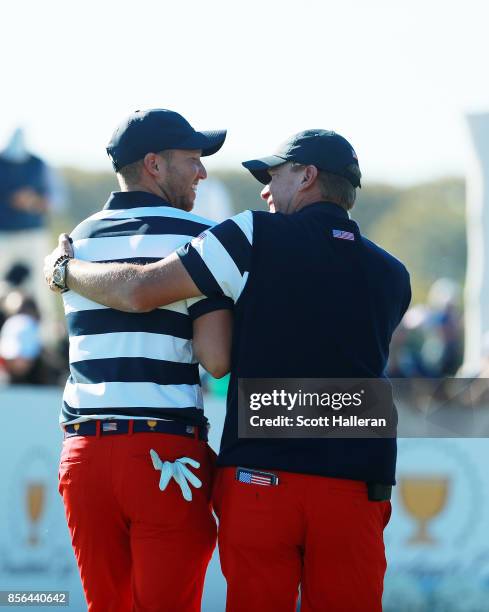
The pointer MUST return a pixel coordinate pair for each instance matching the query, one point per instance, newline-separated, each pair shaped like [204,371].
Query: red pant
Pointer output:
[138,548]
[321,533]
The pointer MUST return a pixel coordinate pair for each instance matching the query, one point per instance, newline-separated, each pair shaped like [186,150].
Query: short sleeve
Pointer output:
[219,260]
[202,305]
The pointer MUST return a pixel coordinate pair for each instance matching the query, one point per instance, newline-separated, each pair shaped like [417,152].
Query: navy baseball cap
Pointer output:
[155,130]
[326,150]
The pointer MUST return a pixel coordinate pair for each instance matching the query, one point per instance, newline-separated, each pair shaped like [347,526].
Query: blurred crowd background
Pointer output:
[424,225]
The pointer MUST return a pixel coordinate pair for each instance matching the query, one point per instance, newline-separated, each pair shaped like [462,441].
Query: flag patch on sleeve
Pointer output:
[342,235]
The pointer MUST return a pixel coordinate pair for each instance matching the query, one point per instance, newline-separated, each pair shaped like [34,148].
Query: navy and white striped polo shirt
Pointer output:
[131,365]
[313,299]
[219,261]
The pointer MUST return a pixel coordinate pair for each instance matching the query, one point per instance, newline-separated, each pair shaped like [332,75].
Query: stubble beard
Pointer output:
[183,203]
[175,197]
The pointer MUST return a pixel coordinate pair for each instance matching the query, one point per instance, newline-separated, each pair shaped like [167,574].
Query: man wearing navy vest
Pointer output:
[313,299]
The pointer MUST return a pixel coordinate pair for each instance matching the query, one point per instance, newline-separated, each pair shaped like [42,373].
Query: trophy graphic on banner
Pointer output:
[35,506]
[424,497]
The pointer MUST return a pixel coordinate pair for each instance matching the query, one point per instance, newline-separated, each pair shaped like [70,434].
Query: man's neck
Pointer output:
[313,199]
[154,189]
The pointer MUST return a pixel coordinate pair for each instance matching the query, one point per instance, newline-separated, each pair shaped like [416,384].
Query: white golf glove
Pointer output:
[179,471]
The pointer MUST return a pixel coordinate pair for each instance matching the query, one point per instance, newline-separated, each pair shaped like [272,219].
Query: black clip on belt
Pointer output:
[378,492]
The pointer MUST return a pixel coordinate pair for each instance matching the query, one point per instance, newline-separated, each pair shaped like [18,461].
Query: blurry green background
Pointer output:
[423,225]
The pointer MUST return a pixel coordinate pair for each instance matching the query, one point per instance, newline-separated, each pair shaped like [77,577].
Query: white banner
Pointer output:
[437,541]
[35,546]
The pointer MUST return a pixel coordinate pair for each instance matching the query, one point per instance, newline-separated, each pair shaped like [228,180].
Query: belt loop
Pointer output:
[131,426]
[97,428]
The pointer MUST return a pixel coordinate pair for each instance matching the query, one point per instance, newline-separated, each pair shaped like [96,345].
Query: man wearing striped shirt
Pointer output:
[313,299]
[133,402]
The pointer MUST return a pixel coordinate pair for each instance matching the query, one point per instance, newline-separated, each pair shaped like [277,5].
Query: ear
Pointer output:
[308,178]
[151,164]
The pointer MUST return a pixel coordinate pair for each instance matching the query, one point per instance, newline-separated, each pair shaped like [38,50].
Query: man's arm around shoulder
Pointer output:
[127,287]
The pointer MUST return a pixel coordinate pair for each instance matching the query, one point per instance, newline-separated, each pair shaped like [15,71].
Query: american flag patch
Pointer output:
[265,479]
[109,426]
[200,237]
[343,235]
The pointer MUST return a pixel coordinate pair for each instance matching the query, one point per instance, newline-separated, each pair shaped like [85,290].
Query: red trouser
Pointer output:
[321,533]
[138,548]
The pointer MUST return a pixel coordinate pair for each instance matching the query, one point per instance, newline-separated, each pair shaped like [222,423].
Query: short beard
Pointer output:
[182,203]
[177,201]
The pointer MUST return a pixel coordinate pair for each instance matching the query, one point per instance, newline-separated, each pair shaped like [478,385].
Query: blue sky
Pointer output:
[395,78]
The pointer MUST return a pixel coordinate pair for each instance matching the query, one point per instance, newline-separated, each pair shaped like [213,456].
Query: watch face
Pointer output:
[58,277]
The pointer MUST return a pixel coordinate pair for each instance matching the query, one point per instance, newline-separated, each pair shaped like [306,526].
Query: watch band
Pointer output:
[60,259]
